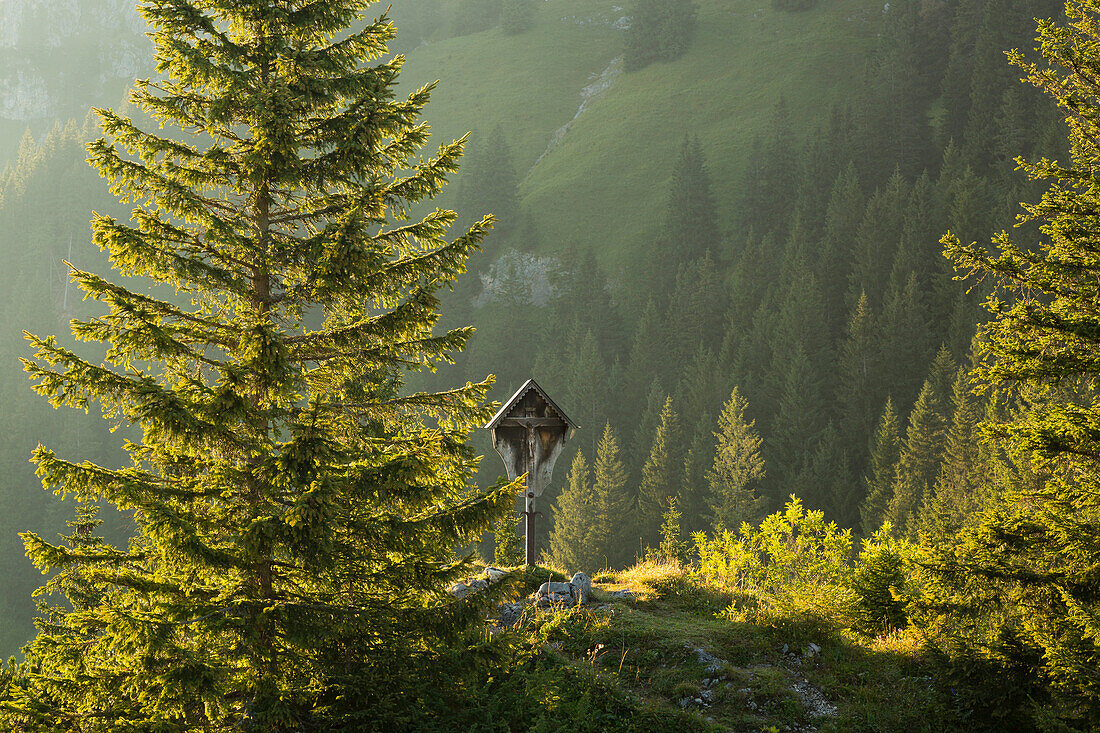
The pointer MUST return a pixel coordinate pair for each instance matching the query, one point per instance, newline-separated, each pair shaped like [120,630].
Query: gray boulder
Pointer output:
[582,588]
[555,594]
[509,614]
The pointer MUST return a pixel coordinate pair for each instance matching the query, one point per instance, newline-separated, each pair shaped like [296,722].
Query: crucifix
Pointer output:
[529,433]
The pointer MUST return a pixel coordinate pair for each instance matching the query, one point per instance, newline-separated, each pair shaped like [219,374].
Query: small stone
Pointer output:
[459,590]
[624,593]
[495,574]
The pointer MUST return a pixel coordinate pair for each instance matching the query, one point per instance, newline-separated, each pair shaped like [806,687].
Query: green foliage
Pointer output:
[673,548]
[293,506]
[508,549]
[612,504]
[885,452]
[918,463]
[572,540]
[738,468]
[793,562]
[660,474]
[660,30]
[1023,579]
[879,582]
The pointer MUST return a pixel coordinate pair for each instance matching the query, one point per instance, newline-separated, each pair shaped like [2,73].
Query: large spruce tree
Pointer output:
[1025,579]
[295,510]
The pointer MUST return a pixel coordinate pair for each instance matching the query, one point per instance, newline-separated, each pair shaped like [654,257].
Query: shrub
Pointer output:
[794,561]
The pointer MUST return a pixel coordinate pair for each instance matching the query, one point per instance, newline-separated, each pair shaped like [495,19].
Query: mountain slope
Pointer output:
[603,184]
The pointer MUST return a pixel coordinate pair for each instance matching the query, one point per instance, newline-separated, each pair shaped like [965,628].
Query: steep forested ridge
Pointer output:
[761,211]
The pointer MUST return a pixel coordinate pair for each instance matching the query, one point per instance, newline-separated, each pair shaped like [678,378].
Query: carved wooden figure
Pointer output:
[529,433]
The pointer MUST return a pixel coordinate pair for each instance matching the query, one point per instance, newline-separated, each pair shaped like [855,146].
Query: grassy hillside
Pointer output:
[604,183]
[667,660]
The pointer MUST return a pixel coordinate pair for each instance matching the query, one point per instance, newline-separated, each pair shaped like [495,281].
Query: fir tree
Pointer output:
[842,217]
[735,477]
[918,463]
[876,241]
[798,425]
[574,540]
[828,481]
[660,30]
[660,475]
[612,505]
[294,507]
[691,220]
[963,475]
[859,382]
[1033,555]
[906,341]
[642,439]
[879,483]
[489,183]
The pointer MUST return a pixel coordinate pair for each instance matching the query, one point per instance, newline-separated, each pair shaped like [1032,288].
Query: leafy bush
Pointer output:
[794,561]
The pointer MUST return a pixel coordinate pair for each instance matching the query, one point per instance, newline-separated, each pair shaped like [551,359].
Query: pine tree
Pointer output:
[797,427]
[574,540]
[918,463]
[906,341]
[294,507]
[647,421]
[963,476]
[859,381]
[660,30]
[842,218]
[876,242]
[691,220]
[612,505]
[660,475]
[828,481]
[735,477]
[879,483]
[1033,555]
[489,183]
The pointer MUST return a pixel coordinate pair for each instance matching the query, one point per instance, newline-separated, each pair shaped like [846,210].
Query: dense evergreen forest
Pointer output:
[824,301]
[809,339]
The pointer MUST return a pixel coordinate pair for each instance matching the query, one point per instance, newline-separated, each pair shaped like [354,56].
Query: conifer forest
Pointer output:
[817,282]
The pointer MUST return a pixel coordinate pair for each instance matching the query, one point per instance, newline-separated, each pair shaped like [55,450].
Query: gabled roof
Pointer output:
[529,385]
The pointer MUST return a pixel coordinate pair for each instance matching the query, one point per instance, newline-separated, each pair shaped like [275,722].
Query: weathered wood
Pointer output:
[529,433]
